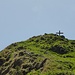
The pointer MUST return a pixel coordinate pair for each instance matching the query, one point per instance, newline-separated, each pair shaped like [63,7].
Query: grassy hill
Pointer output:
[47,54]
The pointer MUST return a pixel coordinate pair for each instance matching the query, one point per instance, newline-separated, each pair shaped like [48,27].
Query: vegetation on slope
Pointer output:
[47,54]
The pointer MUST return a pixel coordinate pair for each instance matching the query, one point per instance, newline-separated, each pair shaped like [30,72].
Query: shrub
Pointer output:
[59,49]
[42,38]
[21,53]
[2,60]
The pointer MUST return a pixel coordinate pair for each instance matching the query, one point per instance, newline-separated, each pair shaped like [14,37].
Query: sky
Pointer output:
[22,19]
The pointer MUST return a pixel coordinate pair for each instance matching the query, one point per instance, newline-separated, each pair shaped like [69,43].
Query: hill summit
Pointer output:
[47,54]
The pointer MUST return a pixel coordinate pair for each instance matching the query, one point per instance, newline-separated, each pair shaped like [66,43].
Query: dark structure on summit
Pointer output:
[59,33]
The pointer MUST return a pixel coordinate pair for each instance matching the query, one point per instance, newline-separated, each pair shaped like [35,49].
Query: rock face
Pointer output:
[47,54]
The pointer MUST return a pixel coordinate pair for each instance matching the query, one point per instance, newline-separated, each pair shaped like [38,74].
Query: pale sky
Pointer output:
[22,19]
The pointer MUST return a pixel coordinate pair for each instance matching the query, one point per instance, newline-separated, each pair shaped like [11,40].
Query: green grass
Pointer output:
[58,50]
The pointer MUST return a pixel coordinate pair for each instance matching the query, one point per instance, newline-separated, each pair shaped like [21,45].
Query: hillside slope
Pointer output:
[47,54]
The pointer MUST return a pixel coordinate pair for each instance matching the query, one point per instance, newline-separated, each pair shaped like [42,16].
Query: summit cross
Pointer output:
[59,33]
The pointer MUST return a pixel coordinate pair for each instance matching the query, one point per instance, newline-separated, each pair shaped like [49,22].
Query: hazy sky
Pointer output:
[22,19]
